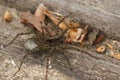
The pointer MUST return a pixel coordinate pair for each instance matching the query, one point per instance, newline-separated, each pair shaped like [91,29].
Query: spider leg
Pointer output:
[24,57]
[19,34]
[66,56]
[68,61]
[47,63]
[47,67]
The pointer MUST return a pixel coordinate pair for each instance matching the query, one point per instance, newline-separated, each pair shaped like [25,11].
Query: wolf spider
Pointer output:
[45,42]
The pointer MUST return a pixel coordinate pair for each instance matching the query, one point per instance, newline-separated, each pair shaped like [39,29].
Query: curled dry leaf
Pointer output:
[56,18]
[76,35]
[100,49]
[51,15]
[37,20]
[84,32]
[40,12]
[28,18]
[7,16]
[73,35]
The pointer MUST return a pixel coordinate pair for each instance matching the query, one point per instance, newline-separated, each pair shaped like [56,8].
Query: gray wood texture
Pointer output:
[103,14]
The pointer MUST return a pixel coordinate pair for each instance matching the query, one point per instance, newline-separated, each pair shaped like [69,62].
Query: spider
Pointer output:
[41,41]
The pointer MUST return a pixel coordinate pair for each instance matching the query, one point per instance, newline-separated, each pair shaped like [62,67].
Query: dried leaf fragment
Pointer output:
[28,18]
[84,32]
[110,46]
[74,34]
[40,12]
[56,18]
[63,26]
[7,16]
[77,34]
[37,20]
[51,15]
[115,55]
[100,49]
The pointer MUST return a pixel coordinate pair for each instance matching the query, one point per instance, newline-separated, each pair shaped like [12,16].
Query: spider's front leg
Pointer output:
[19,34]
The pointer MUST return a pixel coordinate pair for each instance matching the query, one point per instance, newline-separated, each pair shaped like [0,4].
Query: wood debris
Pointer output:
[113,51]
[84,32]
[7,16]
[37,20]
[100,49]
[75,32]
[115,55]
[73,35]
[110,46]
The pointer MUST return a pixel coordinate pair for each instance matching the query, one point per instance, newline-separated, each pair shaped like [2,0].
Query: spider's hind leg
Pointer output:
[23,59]
[68,61]
[47,63]
[66,57]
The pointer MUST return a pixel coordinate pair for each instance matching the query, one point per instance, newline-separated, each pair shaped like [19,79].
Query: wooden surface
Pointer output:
[86,66]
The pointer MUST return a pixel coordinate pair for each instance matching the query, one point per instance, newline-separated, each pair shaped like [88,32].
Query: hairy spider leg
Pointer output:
[68,61]
[47,63]
[23,59]
[19,34]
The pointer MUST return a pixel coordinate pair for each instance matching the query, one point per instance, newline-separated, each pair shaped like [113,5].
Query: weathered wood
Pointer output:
[86,64]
